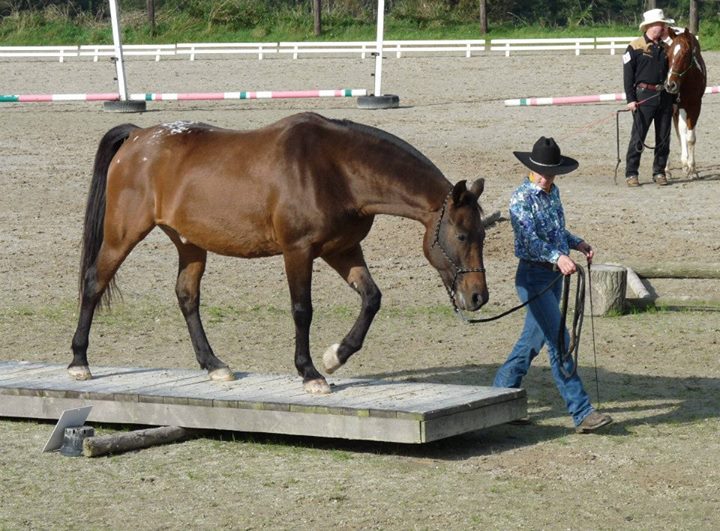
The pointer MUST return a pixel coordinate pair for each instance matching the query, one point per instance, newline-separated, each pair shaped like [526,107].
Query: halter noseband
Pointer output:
[458,270]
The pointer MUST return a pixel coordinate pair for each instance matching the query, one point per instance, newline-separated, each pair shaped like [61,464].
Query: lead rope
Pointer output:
[571,352]
[592,333]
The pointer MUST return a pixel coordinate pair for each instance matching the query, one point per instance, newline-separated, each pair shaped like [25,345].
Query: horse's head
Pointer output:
[681,58]
[454,246]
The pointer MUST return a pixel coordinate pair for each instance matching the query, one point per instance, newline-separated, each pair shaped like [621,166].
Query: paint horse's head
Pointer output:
[454,246]
[682,57]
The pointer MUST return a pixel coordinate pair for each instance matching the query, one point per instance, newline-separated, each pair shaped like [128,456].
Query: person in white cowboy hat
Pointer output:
[645,68]
[542,244]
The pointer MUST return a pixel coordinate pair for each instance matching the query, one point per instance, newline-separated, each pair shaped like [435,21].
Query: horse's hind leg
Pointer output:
[97,278]
[351,266]
[191,267]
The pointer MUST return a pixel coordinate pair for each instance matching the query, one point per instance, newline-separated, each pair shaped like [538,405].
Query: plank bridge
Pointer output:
[358,408]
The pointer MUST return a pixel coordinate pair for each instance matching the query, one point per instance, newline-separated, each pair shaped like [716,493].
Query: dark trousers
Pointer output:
[656,109]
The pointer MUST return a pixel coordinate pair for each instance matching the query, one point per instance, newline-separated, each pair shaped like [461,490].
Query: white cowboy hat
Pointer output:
[652,17]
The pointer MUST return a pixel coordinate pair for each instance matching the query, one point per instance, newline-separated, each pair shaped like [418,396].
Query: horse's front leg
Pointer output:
[351,266]
[298,268]
[691,171]
[685,134]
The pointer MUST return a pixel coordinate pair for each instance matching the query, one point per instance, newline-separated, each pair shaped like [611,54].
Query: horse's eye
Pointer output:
[462,237]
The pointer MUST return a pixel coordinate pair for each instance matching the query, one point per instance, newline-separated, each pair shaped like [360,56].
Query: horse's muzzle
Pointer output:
[671,87]
[474,301]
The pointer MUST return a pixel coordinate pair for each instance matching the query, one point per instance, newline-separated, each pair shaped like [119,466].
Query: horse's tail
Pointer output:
[95,209]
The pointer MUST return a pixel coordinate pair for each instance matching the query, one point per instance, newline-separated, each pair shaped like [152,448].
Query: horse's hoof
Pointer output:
[317,387]
[331,360]
[222,375]
[80,373]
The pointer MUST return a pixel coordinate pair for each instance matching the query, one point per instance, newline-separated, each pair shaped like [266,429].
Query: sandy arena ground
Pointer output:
[658,372]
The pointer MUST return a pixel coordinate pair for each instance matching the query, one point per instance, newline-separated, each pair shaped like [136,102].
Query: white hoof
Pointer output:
[222,375]
[317,387]
[80,373]
[331,360]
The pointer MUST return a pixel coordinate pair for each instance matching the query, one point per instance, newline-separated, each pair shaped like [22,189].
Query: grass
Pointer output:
[57,26]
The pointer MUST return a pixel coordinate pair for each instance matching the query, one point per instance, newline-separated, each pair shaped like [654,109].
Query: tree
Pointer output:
[483,17]
[693,17]
[151,15]
[317,6]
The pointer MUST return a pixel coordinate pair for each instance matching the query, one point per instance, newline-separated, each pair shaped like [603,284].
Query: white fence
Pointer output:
[468,48]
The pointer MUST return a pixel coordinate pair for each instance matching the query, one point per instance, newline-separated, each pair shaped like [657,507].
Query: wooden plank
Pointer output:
[366,409]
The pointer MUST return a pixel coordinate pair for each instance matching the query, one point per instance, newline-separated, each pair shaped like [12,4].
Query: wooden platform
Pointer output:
[357,408]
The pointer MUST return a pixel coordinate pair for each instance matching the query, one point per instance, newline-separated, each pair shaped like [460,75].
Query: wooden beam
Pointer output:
[677,270]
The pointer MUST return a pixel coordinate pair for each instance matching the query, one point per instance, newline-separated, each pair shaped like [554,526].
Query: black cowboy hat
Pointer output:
[546,159]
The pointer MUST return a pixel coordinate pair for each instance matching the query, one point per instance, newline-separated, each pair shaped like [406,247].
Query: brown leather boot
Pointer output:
[593,422]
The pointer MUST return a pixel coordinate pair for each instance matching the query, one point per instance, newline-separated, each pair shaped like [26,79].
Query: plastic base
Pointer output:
[124,106]
[386,101]
[73,440]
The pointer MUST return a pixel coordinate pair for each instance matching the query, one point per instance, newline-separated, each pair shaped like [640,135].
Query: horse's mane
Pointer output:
[389,137]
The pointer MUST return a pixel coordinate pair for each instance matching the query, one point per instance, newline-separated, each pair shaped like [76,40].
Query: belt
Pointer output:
[648,86]
[545,265]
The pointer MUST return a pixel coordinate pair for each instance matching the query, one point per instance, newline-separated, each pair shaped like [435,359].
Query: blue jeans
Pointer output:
[542,327]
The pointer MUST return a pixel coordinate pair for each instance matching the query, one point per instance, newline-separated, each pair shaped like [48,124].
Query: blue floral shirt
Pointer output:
[538,221]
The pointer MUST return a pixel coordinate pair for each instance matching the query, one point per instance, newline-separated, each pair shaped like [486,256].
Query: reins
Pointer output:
[474,320]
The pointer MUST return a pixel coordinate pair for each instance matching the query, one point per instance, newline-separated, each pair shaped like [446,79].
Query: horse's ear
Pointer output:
[477,187]
[458,190]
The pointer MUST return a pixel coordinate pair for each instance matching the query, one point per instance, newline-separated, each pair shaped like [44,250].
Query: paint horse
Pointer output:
[687,77]
[305,187]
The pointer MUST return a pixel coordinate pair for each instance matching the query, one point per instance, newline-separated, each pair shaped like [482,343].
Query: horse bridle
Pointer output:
[457,269]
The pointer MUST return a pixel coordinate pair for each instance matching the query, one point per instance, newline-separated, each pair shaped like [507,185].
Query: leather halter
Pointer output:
[693,63]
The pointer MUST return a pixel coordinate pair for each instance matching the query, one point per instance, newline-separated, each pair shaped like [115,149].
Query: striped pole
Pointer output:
[49,98]
[187,96]
[565,100]
[257,95]
[575,100]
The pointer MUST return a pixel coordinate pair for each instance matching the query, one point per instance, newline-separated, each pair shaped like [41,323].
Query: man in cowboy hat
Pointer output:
[645,68]
[542,243]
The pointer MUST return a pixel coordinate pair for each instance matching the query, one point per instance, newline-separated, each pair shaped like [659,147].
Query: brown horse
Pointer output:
[687,77]
[305,187]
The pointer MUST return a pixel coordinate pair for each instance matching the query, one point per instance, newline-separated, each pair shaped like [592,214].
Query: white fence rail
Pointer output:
[364,49]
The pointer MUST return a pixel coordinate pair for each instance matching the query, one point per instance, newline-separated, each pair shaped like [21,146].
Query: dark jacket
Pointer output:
[644,61]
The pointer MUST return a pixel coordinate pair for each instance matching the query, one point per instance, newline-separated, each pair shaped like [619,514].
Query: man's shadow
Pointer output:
[649,399]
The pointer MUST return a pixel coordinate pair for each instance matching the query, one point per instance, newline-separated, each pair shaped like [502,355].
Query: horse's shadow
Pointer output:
[708,173]
[645,399]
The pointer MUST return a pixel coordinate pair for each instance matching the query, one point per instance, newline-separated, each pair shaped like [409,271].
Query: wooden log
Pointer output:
[490,219]
[607,285]
[677,270]
[636,285]
[133,440]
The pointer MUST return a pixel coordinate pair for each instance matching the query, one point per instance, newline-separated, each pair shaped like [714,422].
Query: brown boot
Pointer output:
[632,181]
[660,179]
[593,422]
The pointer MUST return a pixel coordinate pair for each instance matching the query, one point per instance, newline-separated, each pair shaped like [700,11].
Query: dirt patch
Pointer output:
[658,373]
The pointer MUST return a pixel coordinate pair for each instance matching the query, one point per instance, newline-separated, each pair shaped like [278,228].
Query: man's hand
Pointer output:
[587,250]
[566,265]
[632,106]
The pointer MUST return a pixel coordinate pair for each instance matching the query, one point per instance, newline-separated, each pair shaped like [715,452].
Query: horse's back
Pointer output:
[231,191]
